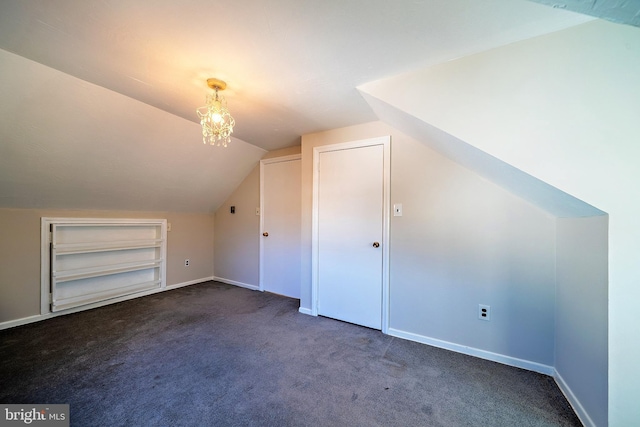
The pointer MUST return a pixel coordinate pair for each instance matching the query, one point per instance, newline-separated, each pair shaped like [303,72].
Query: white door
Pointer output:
[350,216]
[280,263]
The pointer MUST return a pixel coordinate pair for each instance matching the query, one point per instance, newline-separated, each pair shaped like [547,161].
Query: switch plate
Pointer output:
[397,209]
[258,211]
[168,226]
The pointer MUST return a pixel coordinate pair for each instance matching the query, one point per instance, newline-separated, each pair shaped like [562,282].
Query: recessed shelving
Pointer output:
[90,260]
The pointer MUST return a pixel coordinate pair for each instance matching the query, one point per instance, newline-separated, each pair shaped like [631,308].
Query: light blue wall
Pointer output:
[581,312]
[462,241]
[236,236]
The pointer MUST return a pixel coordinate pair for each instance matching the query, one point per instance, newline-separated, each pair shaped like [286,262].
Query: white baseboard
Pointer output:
[233,282]
[305,310]
[190,282]
[31,319]
[573,401]
[23,321]
[482,354]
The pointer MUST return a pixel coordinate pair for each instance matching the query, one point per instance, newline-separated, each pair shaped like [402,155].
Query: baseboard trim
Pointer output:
[190,282]
[305,310]
[23,321]
[471,351]
[37,318]
[573,400]
[235,283]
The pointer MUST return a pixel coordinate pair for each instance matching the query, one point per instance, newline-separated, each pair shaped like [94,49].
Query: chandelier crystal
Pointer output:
[217,123]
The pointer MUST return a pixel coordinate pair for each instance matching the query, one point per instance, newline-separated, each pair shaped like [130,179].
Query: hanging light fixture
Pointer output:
[217,123]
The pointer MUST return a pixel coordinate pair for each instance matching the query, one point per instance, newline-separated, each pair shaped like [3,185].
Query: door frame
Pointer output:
[385,141]
[264,162]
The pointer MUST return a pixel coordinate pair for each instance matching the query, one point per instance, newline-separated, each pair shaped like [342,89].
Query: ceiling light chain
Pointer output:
[217,123]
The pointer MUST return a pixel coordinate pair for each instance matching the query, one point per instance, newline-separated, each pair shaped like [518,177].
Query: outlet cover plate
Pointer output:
[484,312]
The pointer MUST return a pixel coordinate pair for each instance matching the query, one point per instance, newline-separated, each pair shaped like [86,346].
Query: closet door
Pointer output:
[280,260]
[350,253]
[350,215]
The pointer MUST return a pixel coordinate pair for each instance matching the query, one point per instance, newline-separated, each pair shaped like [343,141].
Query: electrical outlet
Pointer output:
[186,262]
[484,312]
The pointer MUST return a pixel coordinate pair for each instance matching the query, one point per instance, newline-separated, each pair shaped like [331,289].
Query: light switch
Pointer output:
[168,226]
[397,209]
[257,211]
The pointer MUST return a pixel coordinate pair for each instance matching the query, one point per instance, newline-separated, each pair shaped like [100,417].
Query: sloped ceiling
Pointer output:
[99,97]
[618,11]
[537,192]
[67,143]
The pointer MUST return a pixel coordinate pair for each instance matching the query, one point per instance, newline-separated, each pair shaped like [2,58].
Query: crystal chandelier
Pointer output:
[217,123]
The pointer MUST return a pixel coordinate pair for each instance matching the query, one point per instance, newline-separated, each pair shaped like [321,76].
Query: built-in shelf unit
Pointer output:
[91,260]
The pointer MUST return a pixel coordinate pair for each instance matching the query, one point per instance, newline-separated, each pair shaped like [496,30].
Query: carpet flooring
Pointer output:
[218,355]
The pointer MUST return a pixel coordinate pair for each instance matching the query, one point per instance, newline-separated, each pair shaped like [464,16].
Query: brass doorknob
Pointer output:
[376,244]
[265,234]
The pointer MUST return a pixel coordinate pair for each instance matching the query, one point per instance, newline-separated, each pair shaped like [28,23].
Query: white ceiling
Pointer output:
[292,66]
[99,96]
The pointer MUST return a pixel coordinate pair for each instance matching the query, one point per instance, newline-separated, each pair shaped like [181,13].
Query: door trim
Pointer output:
[264,162]
[385,141]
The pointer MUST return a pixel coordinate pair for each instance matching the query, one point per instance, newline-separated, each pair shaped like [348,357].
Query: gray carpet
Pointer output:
[218,355]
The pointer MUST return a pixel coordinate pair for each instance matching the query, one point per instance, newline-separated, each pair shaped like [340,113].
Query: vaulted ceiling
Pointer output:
[99,97]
